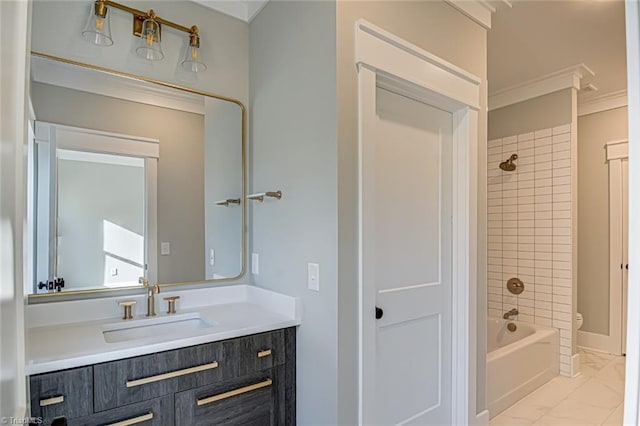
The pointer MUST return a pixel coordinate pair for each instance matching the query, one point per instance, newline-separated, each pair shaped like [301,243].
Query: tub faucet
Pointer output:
[511,313]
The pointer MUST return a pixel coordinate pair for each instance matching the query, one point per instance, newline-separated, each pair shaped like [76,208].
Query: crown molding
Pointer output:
[563,79]
[245,10]
[603,103]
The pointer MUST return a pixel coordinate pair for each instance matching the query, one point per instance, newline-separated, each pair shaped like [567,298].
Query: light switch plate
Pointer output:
[313,276]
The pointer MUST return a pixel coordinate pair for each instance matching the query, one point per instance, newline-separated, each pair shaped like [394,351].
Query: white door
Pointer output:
[406,263]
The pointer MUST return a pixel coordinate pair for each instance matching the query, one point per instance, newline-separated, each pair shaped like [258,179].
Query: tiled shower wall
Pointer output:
[529,231]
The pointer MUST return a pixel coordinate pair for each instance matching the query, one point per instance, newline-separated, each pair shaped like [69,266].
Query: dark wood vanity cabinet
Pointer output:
[248,380]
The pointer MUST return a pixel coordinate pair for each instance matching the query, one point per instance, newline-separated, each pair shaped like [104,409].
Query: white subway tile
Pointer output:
[543,149]
[494,159]
[562,155]
[526,231]
[566,128]
[562,265]
[494,142]
[509,140]
[495,283]
[543,215]
[494,246]
[510,194]
[529,319]
[565,334]
[494,267]
[496,150]
[527,310]
[494,231]
[510,209]
[561,146]
[562,206]
[561,307]
[544,272]
[543,207]
[541,304]
[507,186]
[526,240]
[495,313]
[525,137]
[525,144]
[526,216]
[544,223]
[562,281]
[494,305]
[558,164]
[562,223]
[525,153]
[541,288]
[526,271]
[494,239]
[564,350]
[544,264]
[526,192]
[510,148]
[559,298]
[527,168]
[508,201]
[494,298]
[562,189]
[561,198]
[543,231]
[544,190]
[526,224]
[543,239]
[494,275]
[543,174]
[562,247]
[548,165]
[526,208]
[562,257]
[566,325]
[525,184]
[544,158]
[509,238]
[541,199]
[543,182]
[509,223]
[494,180]
[525,263]
[509,301]
[542,133]
[562,214]
[562,273]
[545,297]
[561,231]
[544,313]
[544,280]
[509,255]
[525,302]
[543,256]
[562,172]
[544,321]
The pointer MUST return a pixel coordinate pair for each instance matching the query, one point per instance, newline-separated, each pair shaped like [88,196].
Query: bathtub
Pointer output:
[518,362]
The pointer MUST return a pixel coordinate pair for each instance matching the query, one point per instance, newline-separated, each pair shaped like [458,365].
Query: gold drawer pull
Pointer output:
[234,392]
[264,353]
[134,420]
[51,401]
[171,375]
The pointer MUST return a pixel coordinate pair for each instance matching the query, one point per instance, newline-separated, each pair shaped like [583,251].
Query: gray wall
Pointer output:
[443,31]
[294,149]
[538,113]
[594,130]
[180,167]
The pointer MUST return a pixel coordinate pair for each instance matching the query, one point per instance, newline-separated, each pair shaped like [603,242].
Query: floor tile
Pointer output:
[615,419]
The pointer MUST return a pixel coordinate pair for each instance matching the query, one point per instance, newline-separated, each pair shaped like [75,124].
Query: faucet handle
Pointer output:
[171,308]
[127,304]
[143,281]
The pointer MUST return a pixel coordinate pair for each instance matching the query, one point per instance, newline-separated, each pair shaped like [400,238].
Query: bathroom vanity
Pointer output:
[236,367]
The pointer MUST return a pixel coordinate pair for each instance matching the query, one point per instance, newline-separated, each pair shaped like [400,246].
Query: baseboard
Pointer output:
[595,341]
[482,419]
[575,365]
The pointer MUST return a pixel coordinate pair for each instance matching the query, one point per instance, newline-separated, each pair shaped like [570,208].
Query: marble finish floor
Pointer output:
[595,397]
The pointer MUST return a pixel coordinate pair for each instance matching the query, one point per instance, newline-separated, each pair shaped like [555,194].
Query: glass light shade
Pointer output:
[98,28]
[192,61]
[149,43]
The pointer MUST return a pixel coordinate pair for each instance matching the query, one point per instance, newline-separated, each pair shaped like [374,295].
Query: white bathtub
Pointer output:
[518,362]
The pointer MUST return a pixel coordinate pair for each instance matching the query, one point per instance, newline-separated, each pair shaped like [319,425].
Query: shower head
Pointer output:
[509,166]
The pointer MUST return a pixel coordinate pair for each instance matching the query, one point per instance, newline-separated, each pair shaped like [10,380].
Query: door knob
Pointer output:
[627,266]
[379,313]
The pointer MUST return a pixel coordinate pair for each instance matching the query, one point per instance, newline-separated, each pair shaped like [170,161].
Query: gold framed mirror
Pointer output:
[132,177]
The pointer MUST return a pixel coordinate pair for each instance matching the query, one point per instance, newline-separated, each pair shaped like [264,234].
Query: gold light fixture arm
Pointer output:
[140,15]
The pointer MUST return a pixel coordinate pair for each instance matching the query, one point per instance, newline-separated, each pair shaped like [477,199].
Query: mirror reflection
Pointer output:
[132,179]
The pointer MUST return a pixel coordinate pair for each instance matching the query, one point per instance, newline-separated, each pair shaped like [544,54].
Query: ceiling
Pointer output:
[536,37]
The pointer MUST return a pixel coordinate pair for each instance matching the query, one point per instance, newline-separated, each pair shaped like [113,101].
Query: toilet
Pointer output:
[579,321]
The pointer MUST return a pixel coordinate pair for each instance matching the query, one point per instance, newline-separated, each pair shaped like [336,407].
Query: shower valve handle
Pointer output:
[379,313]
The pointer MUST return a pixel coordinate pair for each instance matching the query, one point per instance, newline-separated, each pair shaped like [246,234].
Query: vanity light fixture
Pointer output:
[148,27]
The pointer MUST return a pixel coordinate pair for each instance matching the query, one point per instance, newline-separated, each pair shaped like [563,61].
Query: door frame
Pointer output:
[387,61]
[615,151]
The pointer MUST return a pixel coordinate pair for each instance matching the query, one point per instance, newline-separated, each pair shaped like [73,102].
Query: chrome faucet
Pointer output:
[511,313]
[151,292]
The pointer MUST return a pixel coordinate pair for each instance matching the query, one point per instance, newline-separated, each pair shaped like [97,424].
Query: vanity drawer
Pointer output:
[146,377]
[251,400]
[156,412]
[65,393]
[260,351]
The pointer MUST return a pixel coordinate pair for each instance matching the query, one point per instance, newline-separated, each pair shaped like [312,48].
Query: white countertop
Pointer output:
[55,341]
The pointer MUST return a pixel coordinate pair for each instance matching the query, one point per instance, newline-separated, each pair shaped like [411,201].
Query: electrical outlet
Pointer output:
[165,249]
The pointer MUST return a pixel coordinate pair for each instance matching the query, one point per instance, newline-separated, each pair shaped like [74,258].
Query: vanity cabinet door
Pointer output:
[260,351]
[65,393]
[252,400]
[156,412]
[145,377]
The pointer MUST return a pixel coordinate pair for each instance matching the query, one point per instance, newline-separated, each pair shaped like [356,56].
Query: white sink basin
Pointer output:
[160,327]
